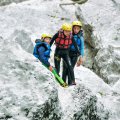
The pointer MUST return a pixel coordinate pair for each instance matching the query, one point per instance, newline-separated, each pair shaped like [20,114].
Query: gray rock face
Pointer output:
[25,93]
[103,17]
[81,104]
[107,64]
[23,38]
[28,90]
[6,2]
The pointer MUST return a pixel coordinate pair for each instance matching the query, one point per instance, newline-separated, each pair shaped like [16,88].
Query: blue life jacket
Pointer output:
[42,44]
[80,42]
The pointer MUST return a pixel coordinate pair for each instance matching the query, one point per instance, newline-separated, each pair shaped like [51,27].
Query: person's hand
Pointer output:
[51,68]
[80,62]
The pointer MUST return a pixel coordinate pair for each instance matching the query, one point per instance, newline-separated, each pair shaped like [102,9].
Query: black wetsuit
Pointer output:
[64,54]
[73,54]
[73,59]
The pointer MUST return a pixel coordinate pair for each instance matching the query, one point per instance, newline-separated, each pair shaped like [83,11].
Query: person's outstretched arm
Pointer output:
[53,38]
[82,46]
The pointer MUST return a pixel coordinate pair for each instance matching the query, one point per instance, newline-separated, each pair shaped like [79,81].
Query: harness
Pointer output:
[63,41]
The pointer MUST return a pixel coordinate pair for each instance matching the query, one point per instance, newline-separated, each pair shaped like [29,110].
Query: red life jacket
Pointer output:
[63,41]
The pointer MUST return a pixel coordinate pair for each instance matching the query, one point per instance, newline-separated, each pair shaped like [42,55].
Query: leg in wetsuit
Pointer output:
[64,54]
[73,59]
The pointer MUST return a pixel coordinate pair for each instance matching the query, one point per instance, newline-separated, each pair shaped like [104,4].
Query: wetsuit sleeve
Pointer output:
[41,51]
[82,46]
[76,46]
[53,38]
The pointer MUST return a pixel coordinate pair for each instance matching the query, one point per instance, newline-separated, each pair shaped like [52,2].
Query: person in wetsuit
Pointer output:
[79,39]
[42,50]
[63,40]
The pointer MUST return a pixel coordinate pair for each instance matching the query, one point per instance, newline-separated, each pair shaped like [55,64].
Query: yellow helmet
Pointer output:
[77,23]
[44,35]
[66,27]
